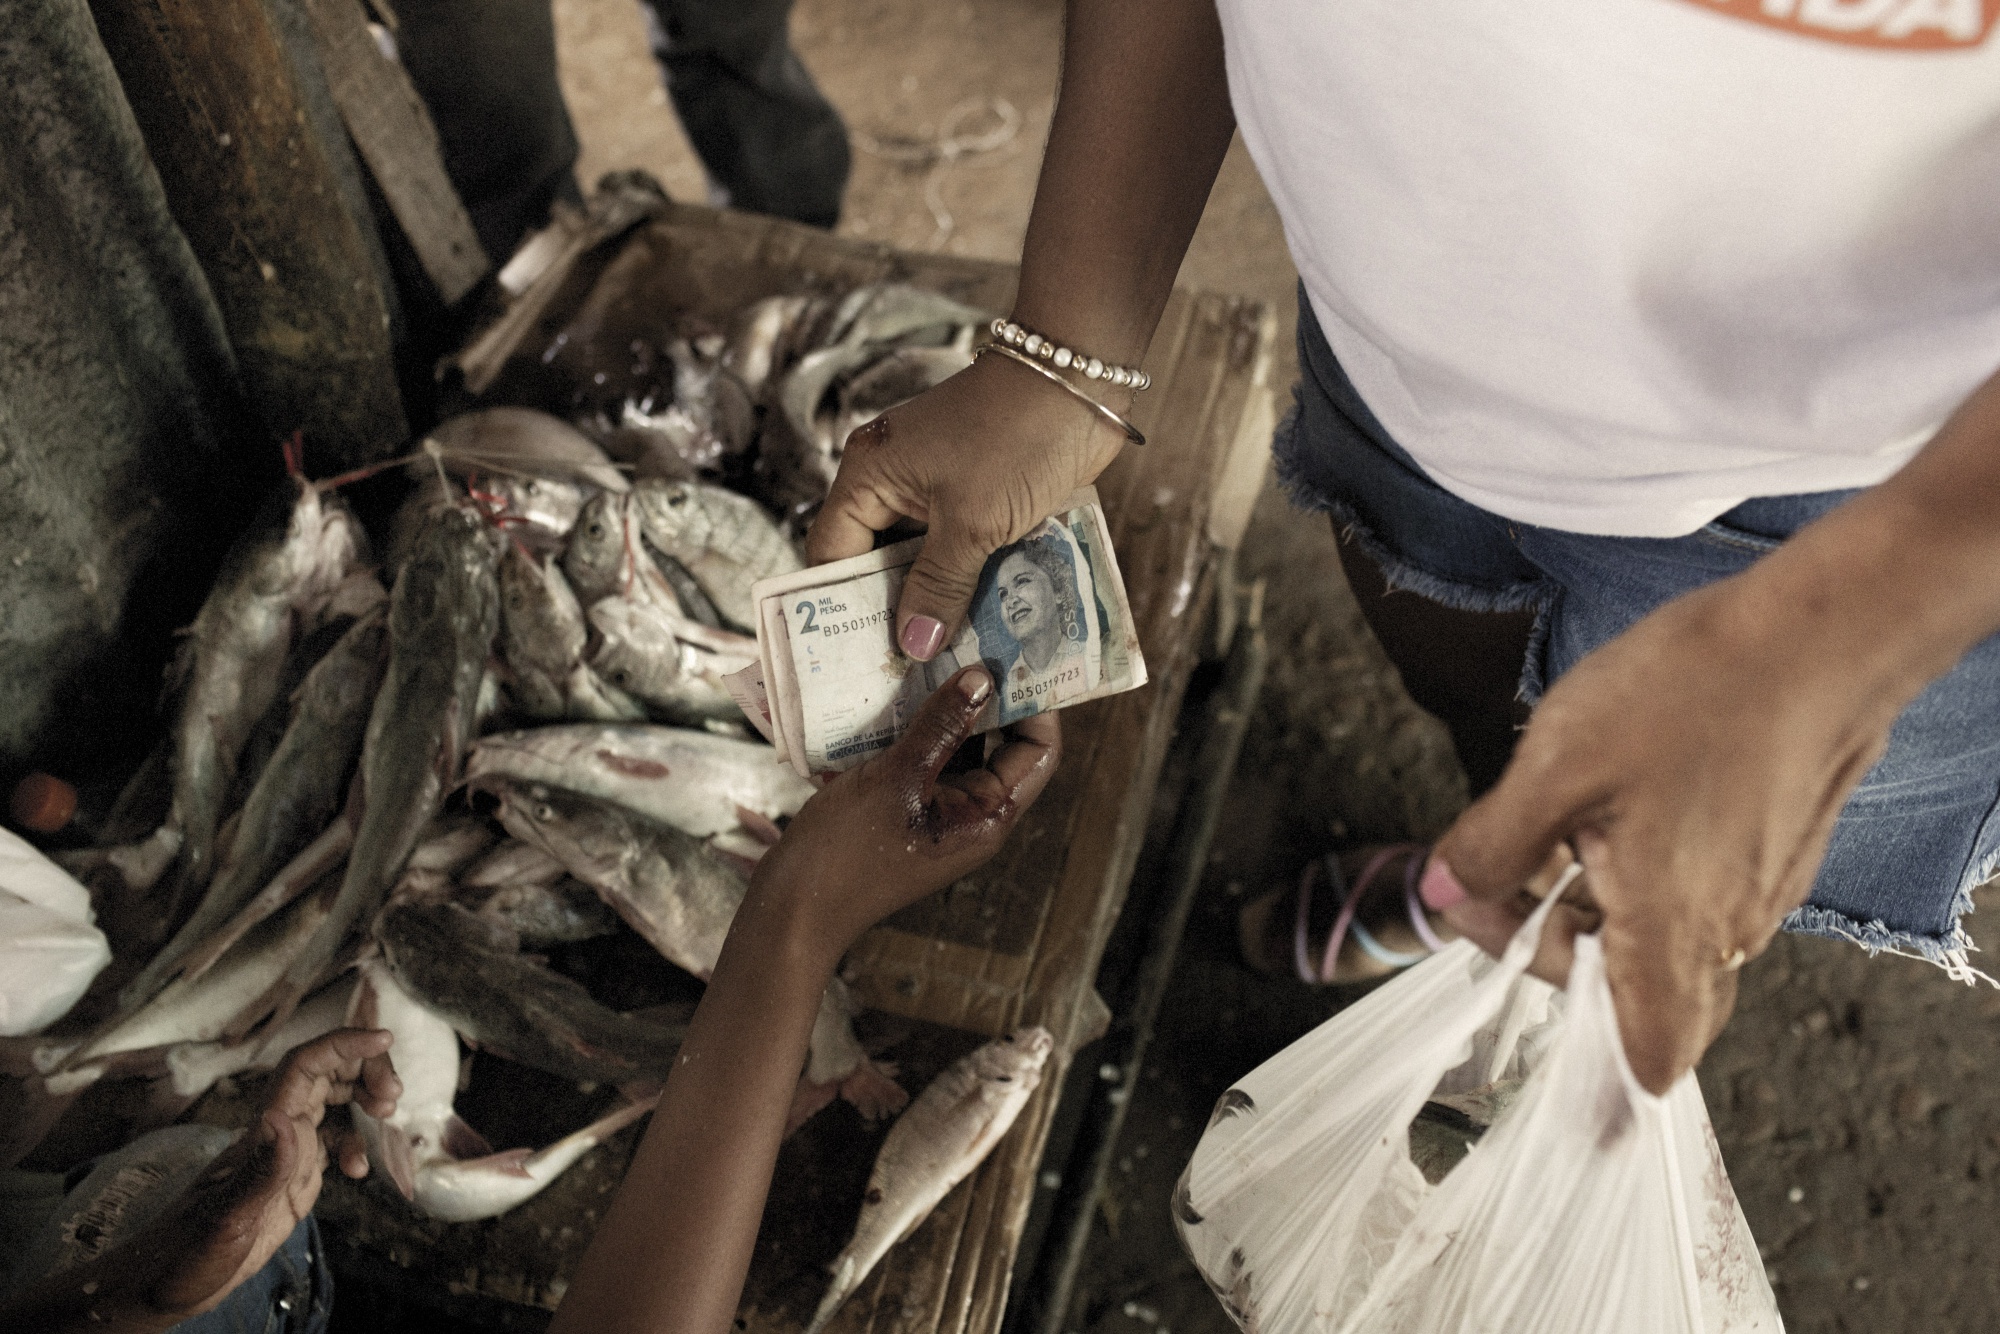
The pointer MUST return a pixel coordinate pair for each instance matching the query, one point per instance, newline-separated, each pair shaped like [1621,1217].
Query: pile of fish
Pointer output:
[389,784]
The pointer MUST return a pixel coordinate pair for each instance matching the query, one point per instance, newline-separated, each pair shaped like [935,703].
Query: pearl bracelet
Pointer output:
[1067,359]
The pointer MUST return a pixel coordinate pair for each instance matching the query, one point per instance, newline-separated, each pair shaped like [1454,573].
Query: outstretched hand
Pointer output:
[243,1207]
[891,830]
[981,459]
[1697,764]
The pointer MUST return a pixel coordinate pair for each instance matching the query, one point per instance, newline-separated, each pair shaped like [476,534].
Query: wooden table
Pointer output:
[1019,942]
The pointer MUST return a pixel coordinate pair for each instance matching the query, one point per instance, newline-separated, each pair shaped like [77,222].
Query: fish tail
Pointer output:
[837,1294]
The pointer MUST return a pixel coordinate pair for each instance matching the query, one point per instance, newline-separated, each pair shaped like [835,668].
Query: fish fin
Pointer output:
[808,1101]
[873,1090]
[462,1142]
[399,1160]
[760,826]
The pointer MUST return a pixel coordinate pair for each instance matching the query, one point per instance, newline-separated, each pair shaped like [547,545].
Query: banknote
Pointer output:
[1049,619]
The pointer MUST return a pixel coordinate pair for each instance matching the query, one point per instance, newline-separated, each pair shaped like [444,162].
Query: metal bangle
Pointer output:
[1132,432]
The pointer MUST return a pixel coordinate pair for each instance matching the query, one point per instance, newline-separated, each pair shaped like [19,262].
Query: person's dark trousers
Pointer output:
[762,127]
[486,69]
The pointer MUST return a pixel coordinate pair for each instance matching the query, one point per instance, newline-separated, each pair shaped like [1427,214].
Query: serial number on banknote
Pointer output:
[828,607]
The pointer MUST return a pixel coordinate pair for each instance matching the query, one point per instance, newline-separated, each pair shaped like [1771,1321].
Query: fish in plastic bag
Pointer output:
[1591,1205]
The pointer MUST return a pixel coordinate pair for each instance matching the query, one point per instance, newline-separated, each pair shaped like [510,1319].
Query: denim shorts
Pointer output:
[1914,840]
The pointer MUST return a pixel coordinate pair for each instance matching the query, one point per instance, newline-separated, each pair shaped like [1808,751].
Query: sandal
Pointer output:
[1258,931]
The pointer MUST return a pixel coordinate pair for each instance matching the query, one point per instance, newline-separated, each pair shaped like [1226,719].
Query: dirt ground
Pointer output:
[1853,1099]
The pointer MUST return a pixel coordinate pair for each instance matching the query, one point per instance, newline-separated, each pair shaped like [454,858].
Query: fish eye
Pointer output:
[678,499]
[618,677]
[545,812]
[596,529]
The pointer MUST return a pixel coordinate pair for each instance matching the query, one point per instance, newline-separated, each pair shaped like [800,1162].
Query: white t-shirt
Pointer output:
[1614,266]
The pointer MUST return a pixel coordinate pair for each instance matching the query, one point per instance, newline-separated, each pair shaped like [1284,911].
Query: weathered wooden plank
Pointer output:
[258,194]
[393,130]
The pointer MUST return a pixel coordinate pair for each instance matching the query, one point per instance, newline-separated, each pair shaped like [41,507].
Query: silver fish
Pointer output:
[601,555]
[206,1008]
[947,1132]
[471,971]
[521,443]
[542,633]
[513,862]
[692,780]
[276,576]
[589,697]
[681,897]
[710,417]
[299,791]
[554,914]
[194,1067]
[439,1163]
[539,510]
[442,618]
[765,337]
[641,654]
[725,540]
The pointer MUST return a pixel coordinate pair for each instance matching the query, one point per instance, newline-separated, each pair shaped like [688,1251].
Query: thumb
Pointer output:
[1498,843]
[937,591]
[941,725]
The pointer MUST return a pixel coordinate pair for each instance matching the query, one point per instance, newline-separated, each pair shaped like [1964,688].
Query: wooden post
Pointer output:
[256,192]
[393,129]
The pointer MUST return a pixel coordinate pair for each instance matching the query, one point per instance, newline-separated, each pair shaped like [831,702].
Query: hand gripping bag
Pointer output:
[1589,1207]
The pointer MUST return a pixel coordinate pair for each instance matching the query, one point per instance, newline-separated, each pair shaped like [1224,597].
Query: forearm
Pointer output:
[673,1249]
[1141,124]
[1901,581]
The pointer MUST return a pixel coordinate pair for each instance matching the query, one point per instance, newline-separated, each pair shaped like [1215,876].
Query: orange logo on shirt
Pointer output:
[1899,25]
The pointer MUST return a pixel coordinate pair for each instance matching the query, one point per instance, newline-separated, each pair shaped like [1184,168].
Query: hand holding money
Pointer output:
[1049,620]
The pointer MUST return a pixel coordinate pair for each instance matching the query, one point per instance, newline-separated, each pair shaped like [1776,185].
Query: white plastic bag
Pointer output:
[1590,1206]
[49,949]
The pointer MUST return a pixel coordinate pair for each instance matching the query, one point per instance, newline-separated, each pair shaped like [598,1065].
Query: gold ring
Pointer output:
[1733,960]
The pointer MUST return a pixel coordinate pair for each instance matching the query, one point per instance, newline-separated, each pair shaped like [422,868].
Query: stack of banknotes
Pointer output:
[1049,619]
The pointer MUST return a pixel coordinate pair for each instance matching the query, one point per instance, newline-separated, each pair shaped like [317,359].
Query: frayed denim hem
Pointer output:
[1951,953]
[1400,575]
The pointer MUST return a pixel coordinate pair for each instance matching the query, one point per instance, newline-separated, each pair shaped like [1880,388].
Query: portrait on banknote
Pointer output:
[1038,625]
[1049,618]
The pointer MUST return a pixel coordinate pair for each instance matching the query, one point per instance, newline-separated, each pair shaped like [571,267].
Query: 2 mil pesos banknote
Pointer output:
[1049,619]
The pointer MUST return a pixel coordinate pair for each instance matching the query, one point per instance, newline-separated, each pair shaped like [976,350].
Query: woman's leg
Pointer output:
[1463,667]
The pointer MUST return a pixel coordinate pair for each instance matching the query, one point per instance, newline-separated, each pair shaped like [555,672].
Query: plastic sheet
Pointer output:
[49,949]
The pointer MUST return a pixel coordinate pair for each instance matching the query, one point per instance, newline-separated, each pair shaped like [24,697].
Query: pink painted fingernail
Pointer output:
[923,637]
[977,685]
[1440,888]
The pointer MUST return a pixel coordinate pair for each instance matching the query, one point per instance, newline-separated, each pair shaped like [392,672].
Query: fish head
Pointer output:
[588,837]
[680,516]
[546,508]
[599,553]
[539,612]
[1016,1059]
